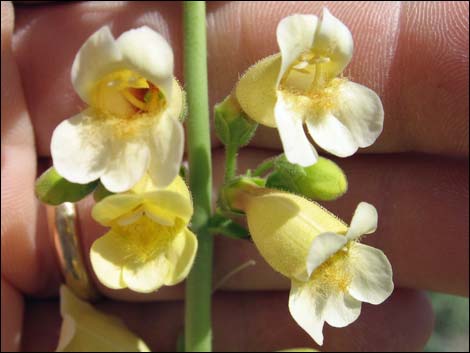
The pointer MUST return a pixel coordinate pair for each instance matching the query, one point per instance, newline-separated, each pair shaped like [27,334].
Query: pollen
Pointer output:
[145,239]
[334,274]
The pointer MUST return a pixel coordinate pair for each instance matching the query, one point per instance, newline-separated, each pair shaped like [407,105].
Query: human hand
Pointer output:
[415,56]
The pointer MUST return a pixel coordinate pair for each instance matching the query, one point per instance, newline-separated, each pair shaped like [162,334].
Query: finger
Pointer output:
[414,55]
[12,318]
[423,223]
[253,322]
[23,262]
[457,273]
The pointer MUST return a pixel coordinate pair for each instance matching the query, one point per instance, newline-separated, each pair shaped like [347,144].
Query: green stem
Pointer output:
[230,162]
[264,167]
[198,331]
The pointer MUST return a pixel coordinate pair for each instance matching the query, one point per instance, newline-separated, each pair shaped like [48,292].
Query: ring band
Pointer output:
[64,229]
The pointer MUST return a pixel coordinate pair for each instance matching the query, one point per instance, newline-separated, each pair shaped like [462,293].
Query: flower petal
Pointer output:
[107,256]
[256,90]
[176,108]
[149,54]
[306,306]
[361,111]
[181,254]
[331,135]
[295,35]
[85,329]
[283,227]
[168,205]
[323,246]
[364,221]
[113,207]
[128,163]
[371,274]
[78,149]
[335,40]
[297,147]
[166,150]
[341,309]
[97,57]
[146,277]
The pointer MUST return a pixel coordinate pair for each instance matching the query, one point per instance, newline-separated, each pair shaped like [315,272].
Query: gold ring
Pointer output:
[63,227]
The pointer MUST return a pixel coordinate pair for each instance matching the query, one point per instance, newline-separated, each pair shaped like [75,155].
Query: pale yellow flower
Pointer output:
[303,85]
[85,329]
[149,244]
[132,124]
[331,272]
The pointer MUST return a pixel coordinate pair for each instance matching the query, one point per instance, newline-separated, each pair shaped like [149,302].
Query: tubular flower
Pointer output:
[149,244]
[304,85]
[331,272]
[85,329]
[132,122]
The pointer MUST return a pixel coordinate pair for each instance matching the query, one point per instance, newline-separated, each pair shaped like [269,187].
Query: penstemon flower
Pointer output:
[149,244]
[85,329]
[132,124]
[331,272]
[304,85]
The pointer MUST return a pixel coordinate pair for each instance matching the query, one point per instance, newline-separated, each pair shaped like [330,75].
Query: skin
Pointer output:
[414,55]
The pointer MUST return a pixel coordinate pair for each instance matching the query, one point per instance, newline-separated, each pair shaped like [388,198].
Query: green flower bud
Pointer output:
[53,189]
[232,125]
[323,181]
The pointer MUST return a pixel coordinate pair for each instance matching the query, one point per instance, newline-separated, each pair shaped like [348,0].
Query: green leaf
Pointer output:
[323,181]
[53,189]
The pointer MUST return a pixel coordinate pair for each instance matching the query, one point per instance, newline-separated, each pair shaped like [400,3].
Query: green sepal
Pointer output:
[221,225]
[232,125]
[53,189]
[101,192]
[323,181]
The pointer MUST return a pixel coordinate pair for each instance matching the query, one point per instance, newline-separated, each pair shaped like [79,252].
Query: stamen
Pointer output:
[133,100]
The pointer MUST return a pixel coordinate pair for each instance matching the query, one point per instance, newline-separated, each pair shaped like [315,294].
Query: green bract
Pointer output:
[322,181]
[53,189]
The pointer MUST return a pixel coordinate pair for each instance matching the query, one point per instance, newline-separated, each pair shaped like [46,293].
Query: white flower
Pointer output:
[343,273]
[304,85]
[132,123]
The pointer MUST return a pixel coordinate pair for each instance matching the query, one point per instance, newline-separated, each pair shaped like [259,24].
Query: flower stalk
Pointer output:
[198,331]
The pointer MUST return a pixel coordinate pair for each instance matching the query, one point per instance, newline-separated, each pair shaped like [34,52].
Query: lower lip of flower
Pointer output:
[145,239]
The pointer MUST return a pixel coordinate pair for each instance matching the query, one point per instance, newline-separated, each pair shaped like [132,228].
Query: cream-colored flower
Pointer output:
[132,124]
[343,273]
[149,244]
[85,329]
[331,272]
[303,85]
